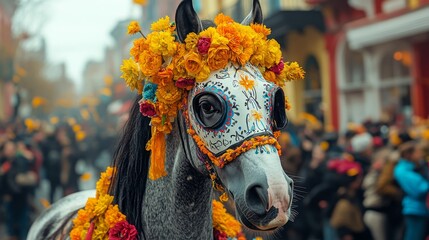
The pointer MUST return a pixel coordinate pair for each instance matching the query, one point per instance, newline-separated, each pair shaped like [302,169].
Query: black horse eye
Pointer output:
[279,111]
[210,110]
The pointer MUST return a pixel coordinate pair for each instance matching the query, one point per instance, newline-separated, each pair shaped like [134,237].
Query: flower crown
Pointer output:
[163,69]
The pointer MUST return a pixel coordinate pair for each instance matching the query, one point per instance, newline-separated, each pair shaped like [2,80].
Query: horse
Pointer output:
[223,111]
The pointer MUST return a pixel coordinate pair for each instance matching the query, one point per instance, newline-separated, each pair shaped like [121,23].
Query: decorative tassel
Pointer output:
[157,158]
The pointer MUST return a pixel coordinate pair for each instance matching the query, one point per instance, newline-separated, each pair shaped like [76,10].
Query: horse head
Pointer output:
[232,117]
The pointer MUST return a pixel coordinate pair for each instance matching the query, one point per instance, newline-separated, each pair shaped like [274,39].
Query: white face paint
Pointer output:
[246,102]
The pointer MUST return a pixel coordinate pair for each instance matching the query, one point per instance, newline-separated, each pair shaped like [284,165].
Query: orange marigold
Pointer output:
[168,94]
[261,29]
[221,18]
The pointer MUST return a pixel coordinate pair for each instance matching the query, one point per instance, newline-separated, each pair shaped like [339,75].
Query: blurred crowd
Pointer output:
[370,182]
[41,162]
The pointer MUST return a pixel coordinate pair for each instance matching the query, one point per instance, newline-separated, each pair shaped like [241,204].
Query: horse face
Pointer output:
[233,108]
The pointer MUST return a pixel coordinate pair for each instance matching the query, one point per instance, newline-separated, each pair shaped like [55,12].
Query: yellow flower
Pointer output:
[133,27]
[193,63]
[162,43]
[293,71]
[221,18]
[149,63]
[168,94]
[113,216]
[218,57]
[161,25]
[191,41]
[101,230]
[102,204]
[246,82]
[131,74]
[273,53]
[203,74]
[258,56]
[140,2]
[103,184]
[256,115]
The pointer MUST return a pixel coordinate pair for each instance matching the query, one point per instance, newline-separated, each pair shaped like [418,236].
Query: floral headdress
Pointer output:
[163,69]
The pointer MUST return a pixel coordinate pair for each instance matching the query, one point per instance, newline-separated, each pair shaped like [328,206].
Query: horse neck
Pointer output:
[179,205]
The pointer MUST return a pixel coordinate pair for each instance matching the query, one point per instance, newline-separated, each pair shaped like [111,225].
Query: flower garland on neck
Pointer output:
[100,219]
[163,69]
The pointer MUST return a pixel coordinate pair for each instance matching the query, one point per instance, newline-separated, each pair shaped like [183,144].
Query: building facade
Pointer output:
[7,49]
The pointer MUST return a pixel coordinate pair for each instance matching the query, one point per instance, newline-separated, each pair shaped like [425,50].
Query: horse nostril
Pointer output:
[257,199]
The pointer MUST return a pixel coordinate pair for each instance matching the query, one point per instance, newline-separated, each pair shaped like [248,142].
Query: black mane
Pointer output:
[131,161]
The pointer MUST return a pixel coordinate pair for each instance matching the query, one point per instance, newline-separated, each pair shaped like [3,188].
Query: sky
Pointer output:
[79,30]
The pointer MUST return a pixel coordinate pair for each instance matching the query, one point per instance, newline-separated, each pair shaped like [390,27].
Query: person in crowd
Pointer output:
[19,183]
[362,150]
[414,182]
[347,213]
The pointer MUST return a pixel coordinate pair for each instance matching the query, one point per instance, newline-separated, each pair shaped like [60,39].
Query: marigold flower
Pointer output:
[203,74]
[161,25]
[113,216]
[221,18]
[140,2]
[218,57]
[163,77]
[191,41]
[150,63]
[101,231]
[193,63]
[139,45]
[103,183]
[162,43]
[102,204]
[168,94]
[223,221]
[131,74]
[269,76]
[261,29]
[133,27]
[273,53]
[293,71]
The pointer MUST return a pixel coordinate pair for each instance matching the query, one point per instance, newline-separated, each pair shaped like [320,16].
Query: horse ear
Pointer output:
[187,20]
[255,16]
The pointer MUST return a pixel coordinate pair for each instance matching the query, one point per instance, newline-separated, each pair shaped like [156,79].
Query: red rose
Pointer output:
[278,68]
[219,235]
[203,45]
[186,83]
[123,231]
[147,109]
